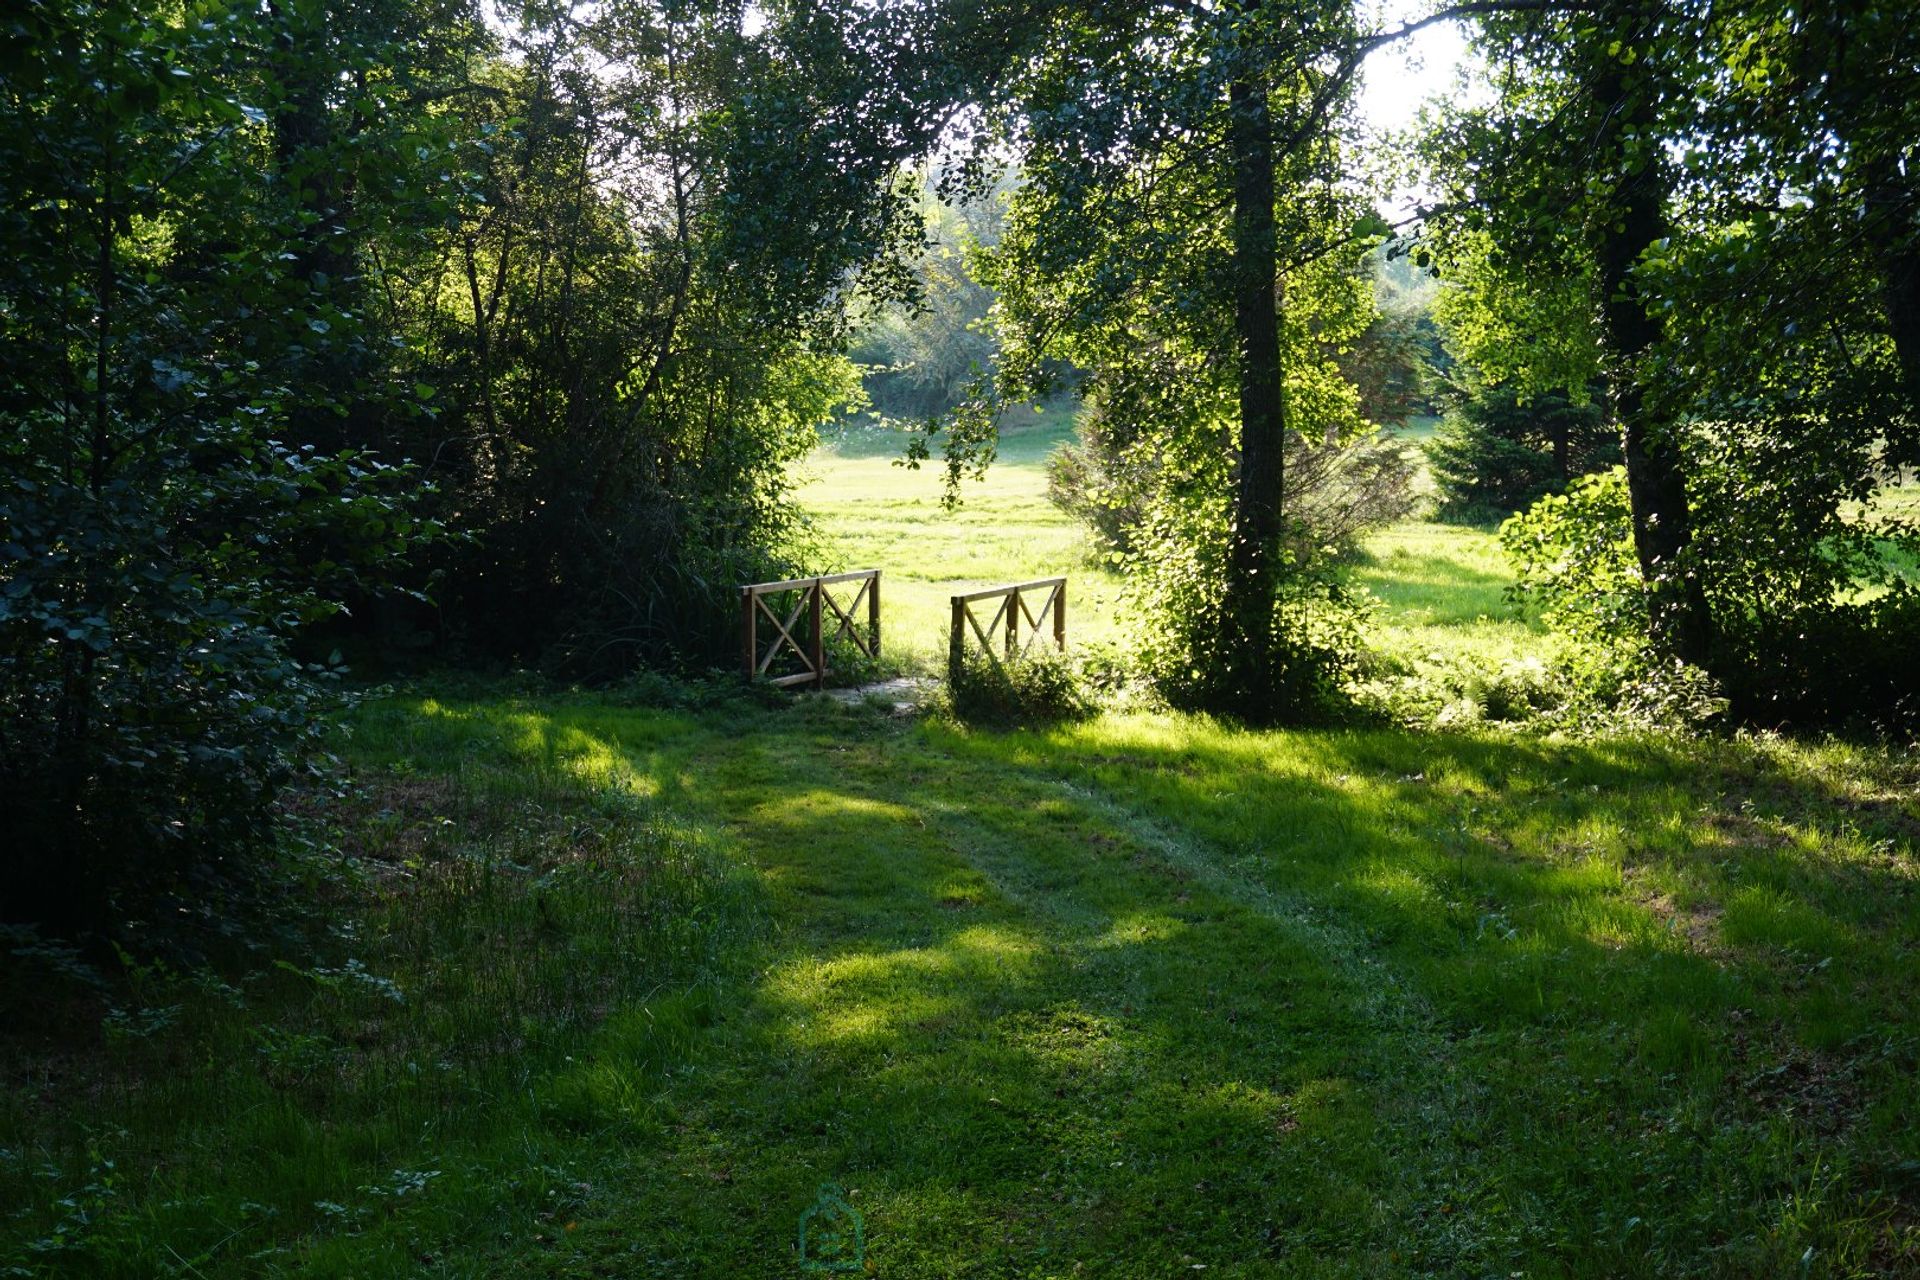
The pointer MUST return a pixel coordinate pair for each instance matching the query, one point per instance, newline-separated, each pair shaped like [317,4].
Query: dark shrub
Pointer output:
[1497,453]
[1040,688]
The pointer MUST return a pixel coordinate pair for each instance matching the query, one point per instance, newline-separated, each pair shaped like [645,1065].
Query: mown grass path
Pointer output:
[1035,1037]
[615,988]
[1144,997]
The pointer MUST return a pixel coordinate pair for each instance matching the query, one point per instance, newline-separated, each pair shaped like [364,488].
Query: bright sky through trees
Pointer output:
[1403,77]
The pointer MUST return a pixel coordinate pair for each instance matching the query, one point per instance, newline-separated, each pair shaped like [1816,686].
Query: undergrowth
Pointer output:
[520,936]
[1041,688]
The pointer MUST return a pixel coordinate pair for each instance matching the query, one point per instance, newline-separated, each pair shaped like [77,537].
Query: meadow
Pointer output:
[623,978]
[874,512]
[1440,586]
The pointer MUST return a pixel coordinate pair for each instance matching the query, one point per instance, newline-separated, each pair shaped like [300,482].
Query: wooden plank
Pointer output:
[793,614]
[814,602]
[791,584]
[998,622]
[817,650]
[786,633]
[749,633]
[1033,619]
[1050,605]
[991,592]
[956,639]
[985,644]
[847,626]
[794,584]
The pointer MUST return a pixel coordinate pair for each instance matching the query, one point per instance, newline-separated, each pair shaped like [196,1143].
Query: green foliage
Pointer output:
[923,356]
[1517,314]
[256,260]
[1122,260]
[1759,376]
[1041,688]
[1091,481]
[1338,491]
[1186,651]
[1800,650]
[1497,451]
[1573,559]
[163,539]
[1391,362]
[613,316]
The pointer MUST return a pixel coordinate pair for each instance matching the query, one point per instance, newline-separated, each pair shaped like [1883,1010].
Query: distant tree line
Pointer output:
[921,357]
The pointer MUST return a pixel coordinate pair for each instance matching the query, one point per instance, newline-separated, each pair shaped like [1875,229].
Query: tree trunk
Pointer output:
[1679,620]
[1897,250]
[1901,287]
[1259,494]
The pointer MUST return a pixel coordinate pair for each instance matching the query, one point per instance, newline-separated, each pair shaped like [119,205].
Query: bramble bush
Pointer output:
[256,257]
[1798,645]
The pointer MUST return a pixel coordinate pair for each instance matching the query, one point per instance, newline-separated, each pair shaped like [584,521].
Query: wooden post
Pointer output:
[957,641]
[813,639]
[749,632]
[873,613]
[1013,624]
[1060,616]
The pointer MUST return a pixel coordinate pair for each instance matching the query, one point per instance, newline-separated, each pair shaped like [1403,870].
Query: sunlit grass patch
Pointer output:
[1760,915]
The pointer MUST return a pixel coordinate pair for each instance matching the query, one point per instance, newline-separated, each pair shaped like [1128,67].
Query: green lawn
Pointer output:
[618,985]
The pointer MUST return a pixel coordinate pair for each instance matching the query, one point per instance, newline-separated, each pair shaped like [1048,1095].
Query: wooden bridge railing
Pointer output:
[813,604]
[1013,627]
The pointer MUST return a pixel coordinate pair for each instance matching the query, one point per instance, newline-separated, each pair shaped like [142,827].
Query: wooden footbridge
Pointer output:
[789,629]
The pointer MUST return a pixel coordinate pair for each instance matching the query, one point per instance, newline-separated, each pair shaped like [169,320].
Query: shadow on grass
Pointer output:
[1678,979]
[1126,998]
[1143,994]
